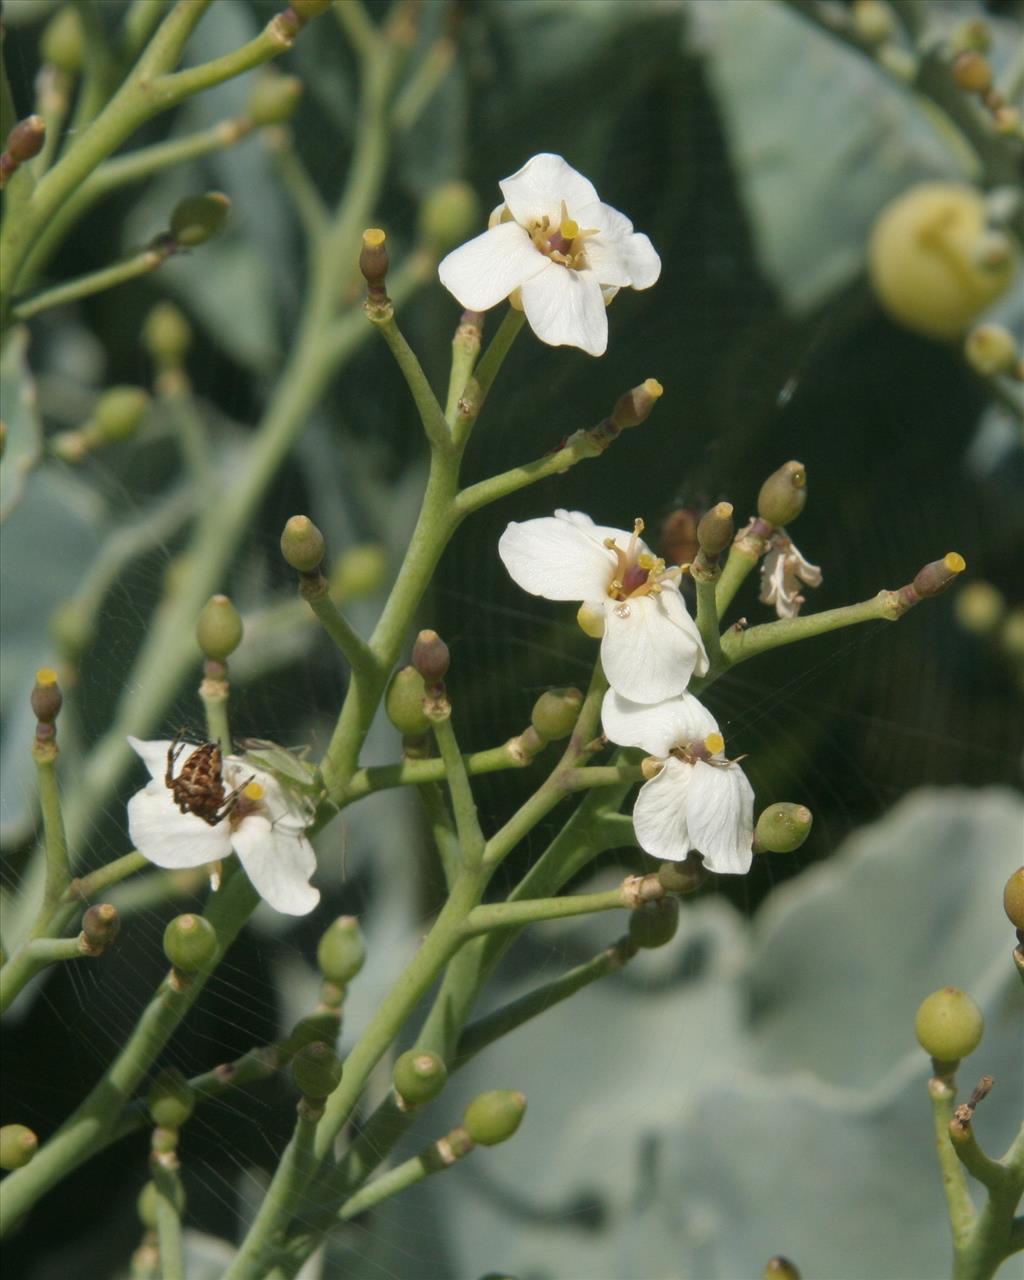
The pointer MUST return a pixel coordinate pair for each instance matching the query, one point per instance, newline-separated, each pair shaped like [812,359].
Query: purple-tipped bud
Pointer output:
[302,544]
[655,923]
[317,1070]
[219,628]
[972,72]
[555,714]
[634,406]
[430,657]
[419,1076]
[100,926]
[18,1144]
[936,577]
[46,699]
[26,139]
[373,263]
[782,828]
[197,219]
[716,529]
[494,1117]
[190,943]
[779,1268]
[170,1100]
[783,494]
[341,952]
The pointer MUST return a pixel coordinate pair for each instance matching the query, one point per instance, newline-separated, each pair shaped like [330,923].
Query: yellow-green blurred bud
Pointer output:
[682,877]
[494,1117]
[419,1076]
[936,577]
[100,925]
[873,21]
[591,621]
[403,703]
[430,657]
[555,713]
[197,219]
[972,34]
[316,1028]
[655,923]
[341,951]
[1013,899]
[26,139]
[219,628]
[449,215]
[18,1144]
[170,1099]
[979,607]
[273,98]
[716,529]
[149,1196]
[63,42]
[46,698]
[166,333]
[359,571]
[190,943]
[117,414]
[972,72]
[784,494]
[991,349]
[316,1069]
[928,259]
[782,828]
[1011,635]
[71,628]
[302,544]
[779,1268]
[304,10]
[949,1025]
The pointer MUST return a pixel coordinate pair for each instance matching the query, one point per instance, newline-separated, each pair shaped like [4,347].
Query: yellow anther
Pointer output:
[46,676]
[714,743]
[374,237]
[953,561]
[609,543]
[646,561]
[253,791]
[569,229]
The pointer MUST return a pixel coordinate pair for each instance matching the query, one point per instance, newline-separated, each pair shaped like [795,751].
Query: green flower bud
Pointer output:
[1011,635]
[979,607]
[219,628]
[18,1144]
[682,877]
[634,407]
[780,1268]
[117,414]
[302,544]
[972,34]
[190,943]
[403,703]
[494,1117]
[783,494]
[316,1069]
[430,657]
[63,41]
[990,349]
[26,139]
[927,260]
[341,951]
[147,1202]
[1013,899]
[273,98]
[321,1027]
[934,578]
[782,828]
[166,333]
[873,21]
[716,529]
[304,10]
[972,72]
[655,923]
[590,621]
[358,572]
[949,1025]
[419,1076]
[449,215]
[555,713]
[164,1140]
[100,925]
[46,699]
[197,219]
[71,628]
[170,1100]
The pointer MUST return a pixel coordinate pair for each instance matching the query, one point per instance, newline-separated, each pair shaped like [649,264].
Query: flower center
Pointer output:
[564,243]
[636,573]
[702,749]
[250,800]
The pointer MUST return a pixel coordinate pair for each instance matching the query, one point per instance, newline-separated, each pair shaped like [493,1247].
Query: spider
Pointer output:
[199,787]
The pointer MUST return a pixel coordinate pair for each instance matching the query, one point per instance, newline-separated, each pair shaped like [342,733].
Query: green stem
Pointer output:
[47,951]
[91,886]
[465,352]
[214,697]
[481,494]
[706,579]
[467,822]
[610,775]
[355,22]
[415,772]
[171,88]
[58,874]
[396,1180]
[742,560]
[168,1221]
[442,829]
[494,357]
[738,646]
[434,424]
[140,20]
[515,915]
[139,264]
[424,82]
[298,186]
[314,589]
[954,1184]
[992,1174]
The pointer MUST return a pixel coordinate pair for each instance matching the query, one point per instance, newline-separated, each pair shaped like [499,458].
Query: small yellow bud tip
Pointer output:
[723,510]
[654,388]
[373,238]
[954,562]
[253,791]
[714,743]
[46,676]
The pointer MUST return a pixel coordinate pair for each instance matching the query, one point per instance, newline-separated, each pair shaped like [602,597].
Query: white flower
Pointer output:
[651,646]
[266,828]
[782,570]
[699,800]
[565,252]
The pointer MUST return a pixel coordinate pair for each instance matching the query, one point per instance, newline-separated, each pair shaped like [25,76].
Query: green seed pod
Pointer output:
[273,98]
[403,703]
[26,139]
[190,943]
[783,494]
[873,21]
[1013,899]
[780,1268]
[419,1076]
[934,578]
[46,698]
[197,219]
[219,628]
[166,333]
[782,828]
[315,1028]
[302,544]
[117,414]
[634,406]
[949,1025]
[147,1201]
[18,1144]
[316,1069]
[716,530]
[359,571]
[63,42]
[494,1117]
[430,656]
[449,215]
[101,924]
[341,951]
[655,923]
[979,607]
[555,713]
[170,1100]
[682,877]
[991,349]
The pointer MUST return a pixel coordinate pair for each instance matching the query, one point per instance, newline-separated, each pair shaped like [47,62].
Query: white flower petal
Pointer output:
[541,185]
[606,260]
[599,532]
[565,308]
[169,838]
[556,559]
[656,727]
[651,647]
[485,270]
[154,755]
[643,261]
[720,816]
[279,861]
[660,813]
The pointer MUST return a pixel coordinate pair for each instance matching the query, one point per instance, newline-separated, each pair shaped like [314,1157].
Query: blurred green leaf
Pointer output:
[23,441]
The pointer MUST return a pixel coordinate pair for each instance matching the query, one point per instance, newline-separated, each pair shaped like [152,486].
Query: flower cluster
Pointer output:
[650,650]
